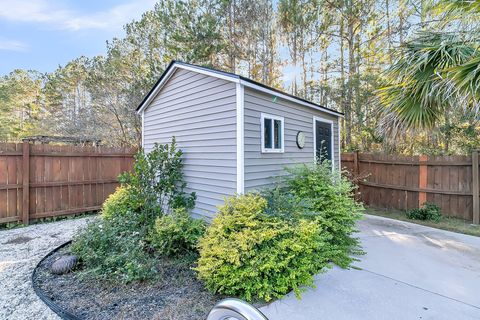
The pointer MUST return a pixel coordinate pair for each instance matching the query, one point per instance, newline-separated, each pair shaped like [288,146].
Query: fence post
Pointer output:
[422,180]
[26,181]
[475,188]
[356,165]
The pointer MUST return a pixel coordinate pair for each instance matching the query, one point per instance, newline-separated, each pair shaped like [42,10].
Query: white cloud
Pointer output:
[52,14]
[12,45]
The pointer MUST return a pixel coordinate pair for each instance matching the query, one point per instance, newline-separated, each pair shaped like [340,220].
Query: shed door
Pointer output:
[323,140]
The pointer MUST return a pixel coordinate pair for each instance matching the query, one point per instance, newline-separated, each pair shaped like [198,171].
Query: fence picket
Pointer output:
[398,182]
[38,181]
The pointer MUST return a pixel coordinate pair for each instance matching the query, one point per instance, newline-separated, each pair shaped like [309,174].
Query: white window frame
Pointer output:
[264,116]
[332,146]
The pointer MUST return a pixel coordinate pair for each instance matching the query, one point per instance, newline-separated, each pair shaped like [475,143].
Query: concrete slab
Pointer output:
[409,272]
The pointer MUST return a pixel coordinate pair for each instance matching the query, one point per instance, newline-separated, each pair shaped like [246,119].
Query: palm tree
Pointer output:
[467,14]
[434,73]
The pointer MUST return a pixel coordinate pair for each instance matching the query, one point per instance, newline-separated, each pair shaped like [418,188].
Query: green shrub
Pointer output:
[112,249]
[248,253]
[283,204]
[157,182]
[121,202]
[116,246]
[327,197]
[177,234]
[428,211]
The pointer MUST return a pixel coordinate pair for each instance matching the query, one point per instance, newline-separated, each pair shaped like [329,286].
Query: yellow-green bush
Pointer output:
[177,233]
[120,202]
[248,253]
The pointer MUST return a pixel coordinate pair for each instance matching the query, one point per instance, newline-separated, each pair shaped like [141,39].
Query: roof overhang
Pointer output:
[174,65]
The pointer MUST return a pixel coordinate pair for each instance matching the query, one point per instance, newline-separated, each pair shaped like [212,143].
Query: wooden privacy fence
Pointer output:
[400,182]
[38,181]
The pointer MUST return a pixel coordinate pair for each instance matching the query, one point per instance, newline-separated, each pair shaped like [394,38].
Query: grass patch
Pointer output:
[445,223]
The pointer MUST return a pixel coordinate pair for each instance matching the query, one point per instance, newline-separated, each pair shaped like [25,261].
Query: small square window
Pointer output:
[272,133]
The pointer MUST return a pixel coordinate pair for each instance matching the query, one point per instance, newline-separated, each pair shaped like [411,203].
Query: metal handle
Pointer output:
[235,309]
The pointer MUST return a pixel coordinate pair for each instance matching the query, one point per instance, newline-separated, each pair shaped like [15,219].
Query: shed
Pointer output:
[236,134]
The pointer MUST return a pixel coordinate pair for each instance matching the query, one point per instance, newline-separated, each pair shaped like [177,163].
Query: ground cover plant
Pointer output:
[117,246]
[177,234]
[429,211]
[261,246]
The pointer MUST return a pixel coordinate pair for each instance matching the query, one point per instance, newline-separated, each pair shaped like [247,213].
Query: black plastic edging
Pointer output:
[62,313]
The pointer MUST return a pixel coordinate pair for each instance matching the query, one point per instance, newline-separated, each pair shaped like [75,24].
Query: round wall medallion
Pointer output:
[300,139]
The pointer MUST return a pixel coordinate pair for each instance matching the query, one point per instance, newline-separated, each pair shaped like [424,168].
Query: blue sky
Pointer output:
[43,34]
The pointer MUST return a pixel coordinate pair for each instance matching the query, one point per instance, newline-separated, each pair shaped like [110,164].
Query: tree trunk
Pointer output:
[342,80]
[351,76]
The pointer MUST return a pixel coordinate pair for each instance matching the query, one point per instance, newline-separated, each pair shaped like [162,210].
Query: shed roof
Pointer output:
[173,65]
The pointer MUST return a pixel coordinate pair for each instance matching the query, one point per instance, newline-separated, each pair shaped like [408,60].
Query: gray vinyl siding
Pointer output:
[200,112]
[262,168]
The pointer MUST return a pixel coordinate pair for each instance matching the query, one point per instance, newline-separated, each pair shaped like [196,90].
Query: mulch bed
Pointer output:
[175,294]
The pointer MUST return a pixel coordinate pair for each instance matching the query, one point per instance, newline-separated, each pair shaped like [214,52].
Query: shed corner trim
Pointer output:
[240,134]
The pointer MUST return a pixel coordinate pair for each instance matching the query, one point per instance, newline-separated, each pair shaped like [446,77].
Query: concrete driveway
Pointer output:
[409,272]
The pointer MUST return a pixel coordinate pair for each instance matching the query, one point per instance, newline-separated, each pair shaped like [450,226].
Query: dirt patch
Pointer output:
[19,240]
[175,294]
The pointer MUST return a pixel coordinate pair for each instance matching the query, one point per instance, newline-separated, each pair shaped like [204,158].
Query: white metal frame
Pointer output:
[240,139]
[264,116]
[332,147]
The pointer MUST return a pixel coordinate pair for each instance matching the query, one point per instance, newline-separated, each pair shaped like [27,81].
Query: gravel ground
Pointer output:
[20,250]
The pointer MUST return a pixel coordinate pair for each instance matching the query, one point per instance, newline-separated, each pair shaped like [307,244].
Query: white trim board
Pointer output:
[227,77]
[332,146]
[143,130]
[240,139]
[339,148]
[286,97]
[156,90]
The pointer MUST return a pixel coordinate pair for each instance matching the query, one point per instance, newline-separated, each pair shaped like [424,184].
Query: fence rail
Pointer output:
[42,180]
[400,182]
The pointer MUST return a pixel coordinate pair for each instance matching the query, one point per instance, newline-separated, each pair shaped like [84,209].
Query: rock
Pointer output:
[64,264]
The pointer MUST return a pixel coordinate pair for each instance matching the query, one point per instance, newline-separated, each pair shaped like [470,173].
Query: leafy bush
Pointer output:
[121,202]
[428,211]
[248,253]
[283,204]
[157,182]
[263,246]
[327,197]
[177,233]
[112,249]
[116,246]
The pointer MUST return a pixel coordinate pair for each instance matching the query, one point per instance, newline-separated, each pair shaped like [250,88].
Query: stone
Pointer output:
[64,264]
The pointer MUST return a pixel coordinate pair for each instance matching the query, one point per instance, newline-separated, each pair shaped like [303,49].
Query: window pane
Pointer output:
[277,134]
[267,134]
